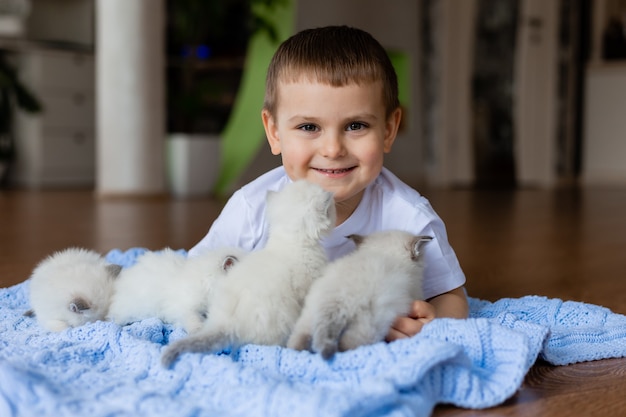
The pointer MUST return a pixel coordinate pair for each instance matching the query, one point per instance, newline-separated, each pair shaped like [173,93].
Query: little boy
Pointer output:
[331,111]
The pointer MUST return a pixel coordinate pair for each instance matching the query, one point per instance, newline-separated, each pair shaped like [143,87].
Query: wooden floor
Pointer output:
[568,244]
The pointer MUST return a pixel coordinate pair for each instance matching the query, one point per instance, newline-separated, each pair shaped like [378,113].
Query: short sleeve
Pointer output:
[242,221]
[234,227]
[402,207]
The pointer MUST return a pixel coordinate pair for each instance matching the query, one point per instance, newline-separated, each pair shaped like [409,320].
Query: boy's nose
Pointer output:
[332,146]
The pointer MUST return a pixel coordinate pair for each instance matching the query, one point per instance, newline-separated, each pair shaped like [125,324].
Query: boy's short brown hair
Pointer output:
[334,55]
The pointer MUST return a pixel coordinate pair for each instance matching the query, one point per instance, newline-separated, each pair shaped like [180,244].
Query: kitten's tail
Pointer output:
[330,324]
[207,342]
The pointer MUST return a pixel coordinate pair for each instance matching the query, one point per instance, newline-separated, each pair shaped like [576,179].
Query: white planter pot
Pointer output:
[193,162]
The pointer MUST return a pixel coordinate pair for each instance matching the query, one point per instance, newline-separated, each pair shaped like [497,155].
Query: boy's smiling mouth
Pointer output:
[336,171]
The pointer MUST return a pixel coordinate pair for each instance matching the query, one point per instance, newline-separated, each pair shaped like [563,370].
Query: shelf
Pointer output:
[23,44]
[608,66]
[212,64]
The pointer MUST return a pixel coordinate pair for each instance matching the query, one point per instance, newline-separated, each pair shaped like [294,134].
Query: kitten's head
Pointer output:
[84,309]
[301,207]
[80,280]
[394,242]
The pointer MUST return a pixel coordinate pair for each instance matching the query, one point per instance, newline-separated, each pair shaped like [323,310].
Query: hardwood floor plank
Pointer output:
[584,389]
[35,224]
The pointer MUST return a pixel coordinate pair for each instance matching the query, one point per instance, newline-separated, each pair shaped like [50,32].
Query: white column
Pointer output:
[130,97]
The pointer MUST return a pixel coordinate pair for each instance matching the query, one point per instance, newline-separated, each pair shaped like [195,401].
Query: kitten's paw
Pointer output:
[300,342]
[326,348]
[329,351]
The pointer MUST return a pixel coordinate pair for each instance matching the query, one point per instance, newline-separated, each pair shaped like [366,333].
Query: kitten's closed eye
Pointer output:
[79,305]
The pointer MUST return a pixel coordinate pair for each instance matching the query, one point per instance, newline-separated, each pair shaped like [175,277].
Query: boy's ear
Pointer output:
[271,132]
[391,129]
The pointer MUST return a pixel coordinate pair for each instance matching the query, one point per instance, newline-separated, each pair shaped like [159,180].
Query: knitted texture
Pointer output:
[102,369]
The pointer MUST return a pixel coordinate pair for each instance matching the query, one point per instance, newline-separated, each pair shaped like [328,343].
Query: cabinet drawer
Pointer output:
[57,70]
[73,109]
[67,150]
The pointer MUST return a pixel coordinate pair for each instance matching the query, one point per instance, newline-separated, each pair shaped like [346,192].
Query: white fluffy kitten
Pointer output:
[70,288]
[359,296]
[170,286]
[263,296]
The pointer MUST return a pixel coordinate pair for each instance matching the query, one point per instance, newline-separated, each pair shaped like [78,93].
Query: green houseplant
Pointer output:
[206,42]
[13,95]
[206,45]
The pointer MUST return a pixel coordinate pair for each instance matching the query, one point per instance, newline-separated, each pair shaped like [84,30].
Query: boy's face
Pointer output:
[332,136]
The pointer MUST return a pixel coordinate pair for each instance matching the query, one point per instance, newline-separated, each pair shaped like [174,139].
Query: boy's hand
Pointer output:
[422,312]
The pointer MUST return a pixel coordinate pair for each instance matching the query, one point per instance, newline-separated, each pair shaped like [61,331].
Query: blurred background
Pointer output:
[127,97]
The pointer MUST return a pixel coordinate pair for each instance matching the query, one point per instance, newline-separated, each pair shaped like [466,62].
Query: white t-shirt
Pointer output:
[387,203]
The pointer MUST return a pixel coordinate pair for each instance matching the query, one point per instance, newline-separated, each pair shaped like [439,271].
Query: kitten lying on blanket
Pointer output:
[263,296]
[70,288]
[358,297]
[169,285]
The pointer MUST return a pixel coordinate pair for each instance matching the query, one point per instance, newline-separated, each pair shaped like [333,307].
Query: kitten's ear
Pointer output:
[229,262]
[113,270]
[417,244]
[79,305]
[357,239]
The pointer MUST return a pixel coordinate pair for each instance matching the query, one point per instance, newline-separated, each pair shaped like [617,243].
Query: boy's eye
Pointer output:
[356,126]
[308,127]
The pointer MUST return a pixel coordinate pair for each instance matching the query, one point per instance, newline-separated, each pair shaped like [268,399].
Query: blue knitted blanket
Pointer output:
[102,369]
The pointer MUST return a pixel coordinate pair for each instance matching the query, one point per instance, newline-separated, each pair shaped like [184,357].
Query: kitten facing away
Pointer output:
[263,296]
[70,288]
[170,286]
[359,296]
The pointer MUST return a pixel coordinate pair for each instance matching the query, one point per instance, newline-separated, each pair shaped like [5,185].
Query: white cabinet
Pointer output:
[56,147]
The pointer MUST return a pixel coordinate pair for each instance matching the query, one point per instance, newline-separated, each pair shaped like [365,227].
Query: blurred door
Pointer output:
[526,93]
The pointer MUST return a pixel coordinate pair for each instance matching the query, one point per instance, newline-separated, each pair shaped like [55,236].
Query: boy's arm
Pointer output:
[452,304]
